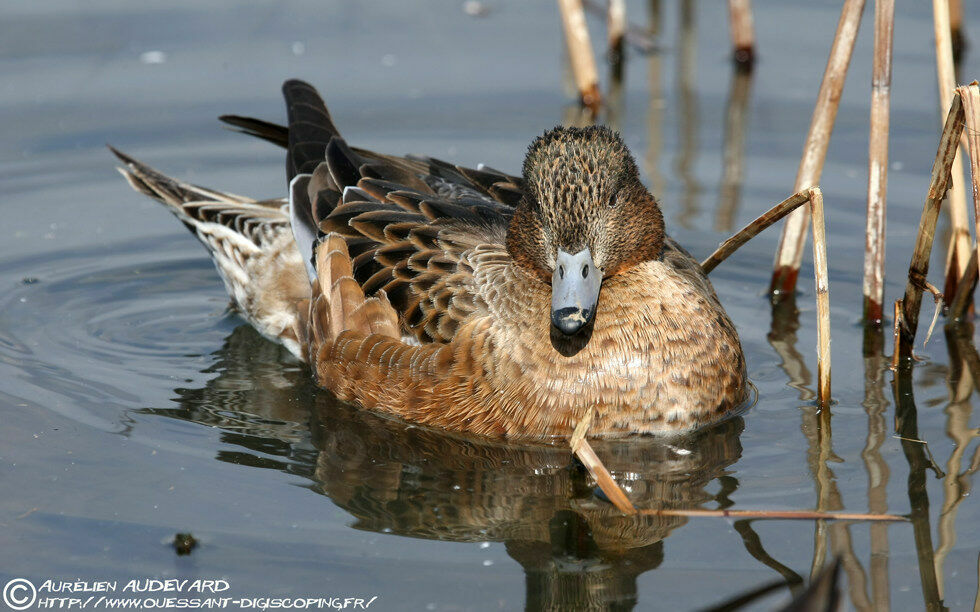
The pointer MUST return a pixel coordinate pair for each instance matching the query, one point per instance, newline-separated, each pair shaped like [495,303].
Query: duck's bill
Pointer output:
[574,291]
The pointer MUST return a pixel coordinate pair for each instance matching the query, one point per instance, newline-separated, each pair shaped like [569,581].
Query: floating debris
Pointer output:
[184,543]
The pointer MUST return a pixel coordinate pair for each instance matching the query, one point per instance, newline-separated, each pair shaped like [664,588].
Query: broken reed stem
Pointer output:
[616,27]
[823,297]
[919,266]
[789,254]
[793,515]
[583,450]
[641,38]
[753,229]
[874,246]
[743,32]
[937,298]
[580,53]
[970,96]
[958,253]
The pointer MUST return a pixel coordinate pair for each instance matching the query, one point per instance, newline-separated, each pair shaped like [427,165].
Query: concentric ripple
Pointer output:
[110,325]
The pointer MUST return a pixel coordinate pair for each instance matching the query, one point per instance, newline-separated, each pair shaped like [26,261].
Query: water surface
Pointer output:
[135,405]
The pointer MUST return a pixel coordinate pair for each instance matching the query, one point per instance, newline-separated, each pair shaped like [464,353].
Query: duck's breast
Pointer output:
[661,354]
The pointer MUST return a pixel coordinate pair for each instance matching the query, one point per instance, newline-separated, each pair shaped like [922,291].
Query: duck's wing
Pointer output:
[422,250]
[416,228]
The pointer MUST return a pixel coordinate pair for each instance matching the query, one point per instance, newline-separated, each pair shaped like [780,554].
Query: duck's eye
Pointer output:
[585,271]
[561,271]
[612,201]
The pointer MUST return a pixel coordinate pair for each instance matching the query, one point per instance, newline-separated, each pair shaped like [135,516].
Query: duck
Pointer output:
[469,299]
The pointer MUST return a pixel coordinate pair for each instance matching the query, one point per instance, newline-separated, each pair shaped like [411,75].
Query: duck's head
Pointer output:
[585,217]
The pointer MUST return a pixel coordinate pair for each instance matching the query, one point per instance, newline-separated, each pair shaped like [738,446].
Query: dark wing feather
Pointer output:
[342,163]
[411,224]
[413,232]
[310,128]
[271,132]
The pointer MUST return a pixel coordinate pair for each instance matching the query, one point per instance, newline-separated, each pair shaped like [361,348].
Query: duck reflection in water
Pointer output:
[576,549]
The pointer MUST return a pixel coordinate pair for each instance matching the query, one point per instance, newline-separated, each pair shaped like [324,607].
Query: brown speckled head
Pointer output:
[583,191]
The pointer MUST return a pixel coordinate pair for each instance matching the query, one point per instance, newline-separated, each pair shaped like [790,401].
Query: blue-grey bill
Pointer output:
[574,290]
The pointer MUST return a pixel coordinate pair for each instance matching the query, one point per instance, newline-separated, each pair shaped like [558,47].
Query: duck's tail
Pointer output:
[251,243]
[269,253]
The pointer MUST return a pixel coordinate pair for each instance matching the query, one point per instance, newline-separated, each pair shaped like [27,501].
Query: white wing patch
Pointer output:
[298,197]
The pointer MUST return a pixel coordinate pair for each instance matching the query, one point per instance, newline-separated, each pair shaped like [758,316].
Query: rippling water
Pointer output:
[135,405]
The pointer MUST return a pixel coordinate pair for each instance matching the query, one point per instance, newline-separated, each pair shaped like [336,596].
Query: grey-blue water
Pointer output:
[134,405]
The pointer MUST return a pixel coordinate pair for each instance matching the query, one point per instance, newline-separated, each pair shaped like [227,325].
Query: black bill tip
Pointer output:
[571,319]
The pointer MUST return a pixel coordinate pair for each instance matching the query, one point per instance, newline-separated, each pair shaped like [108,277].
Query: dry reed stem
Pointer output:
[937,297]
[793,515]
[823,297]
[580,53]
[960,306]
[970,96]
[919,266]
[958,253]
[584,451]
[743,32]
[641,38]
[874,246]
[789,254]
[753,229]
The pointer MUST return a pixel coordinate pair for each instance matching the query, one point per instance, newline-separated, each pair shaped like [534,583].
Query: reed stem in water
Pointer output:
[789,254]
[743,32]
[580,53]
[919,266]
[874,246]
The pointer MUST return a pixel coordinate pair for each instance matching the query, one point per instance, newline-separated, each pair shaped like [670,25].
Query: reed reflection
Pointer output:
[687,106]
[876,405]
[816,428]
[655,110]
[736,128]
[907,428]
[577,550]
[964,376]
